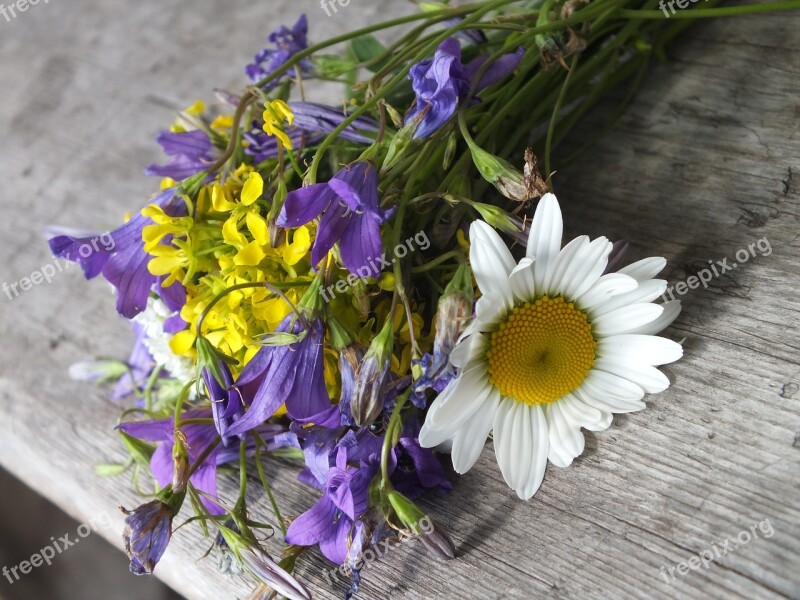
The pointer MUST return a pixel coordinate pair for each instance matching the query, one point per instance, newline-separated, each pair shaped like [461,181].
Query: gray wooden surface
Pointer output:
[705,162]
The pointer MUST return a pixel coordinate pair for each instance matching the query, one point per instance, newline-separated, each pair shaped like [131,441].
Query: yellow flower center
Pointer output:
[542,351]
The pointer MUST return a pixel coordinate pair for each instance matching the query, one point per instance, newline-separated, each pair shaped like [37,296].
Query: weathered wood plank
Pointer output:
[704,162]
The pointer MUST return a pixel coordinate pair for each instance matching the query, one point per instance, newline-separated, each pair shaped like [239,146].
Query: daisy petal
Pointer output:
[532,480]
[565,258]
[605,385]
[645,349]
[671,311]
[608,286]
[490,259]
[566,440]
[471,438]
[489,311]
[650,379]
[468,349]
[647,268]
[586,270]
[544,241]
[626,319]
[646,291]
[457,402]
[503,430]
[521,280]
[607,404]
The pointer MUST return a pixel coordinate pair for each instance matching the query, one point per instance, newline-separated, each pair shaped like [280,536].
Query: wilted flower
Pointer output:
[371,377]
[261,566]
[147,532]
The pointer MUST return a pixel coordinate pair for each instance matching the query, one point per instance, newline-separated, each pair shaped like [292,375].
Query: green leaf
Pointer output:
[140,451]
[366,48]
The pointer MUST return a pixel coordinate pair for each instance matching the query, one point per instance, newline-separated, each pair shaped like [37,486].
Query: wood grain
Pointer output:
[704,162]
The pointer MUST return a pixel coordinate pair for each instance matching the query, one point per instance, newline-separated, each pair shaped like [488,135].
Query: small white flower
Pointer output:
[555,346]
[157,340]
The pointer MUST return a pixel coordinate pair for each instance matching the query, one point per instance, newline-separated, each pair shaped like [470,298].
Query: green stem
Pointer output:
[554,119]
[388,440]
[705,13]
[259,443]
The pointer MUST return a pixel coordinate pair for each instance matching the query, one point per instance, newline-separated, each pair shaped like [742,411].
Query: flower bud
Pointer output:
[367,401]
[496,217]
[97,371]
[180,459]
[454,311]
[436,540]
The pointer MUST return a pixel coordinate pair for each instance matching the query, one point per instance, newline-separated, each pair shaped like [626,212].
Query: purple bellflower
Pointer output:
[290,374]
[342,463]
[190,152]
[441,83]
[351,215]
[287,42]
[122,261]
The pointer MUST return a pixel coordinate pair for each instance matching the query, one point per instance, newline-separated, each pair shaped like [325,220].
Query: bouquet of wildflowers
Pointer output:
[367,290]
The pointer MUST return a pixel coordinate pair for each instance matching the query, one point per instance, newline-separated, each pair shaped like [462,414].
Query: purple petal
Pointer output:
[333,223]
[361,245]
[205,480]
[314,525]
[303,205]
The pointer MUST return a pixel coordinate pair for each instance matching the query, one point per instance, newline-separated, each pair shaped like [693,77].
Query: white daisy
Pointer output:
[555,346]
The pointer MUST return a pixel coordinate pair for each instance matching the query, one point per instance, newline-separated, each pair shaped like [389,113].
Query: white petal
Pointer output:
[646,291]
[608,286]
[537,432]
[504,438]
[645,349]
[471,438]
[608,404]
[580,414]
[605,385]
[490,259]
[650,379]
[671,311]
[585,270]
[467,349]
[457,402]
[625,319]
[521,280]
[490,310]
[544,241]
[647,268]
[566,440]
[566,258]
